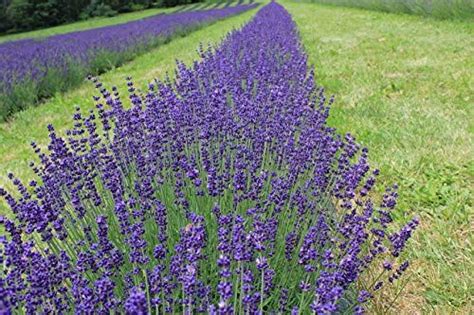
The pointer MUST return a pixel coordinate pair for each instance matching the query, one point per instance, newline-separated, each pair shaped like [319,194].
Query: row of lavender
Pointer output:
[223,192]
[33,69]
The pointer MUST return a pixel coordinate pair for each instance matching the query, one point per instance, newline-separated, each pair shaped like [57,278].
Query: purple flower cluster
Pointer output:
[222,191]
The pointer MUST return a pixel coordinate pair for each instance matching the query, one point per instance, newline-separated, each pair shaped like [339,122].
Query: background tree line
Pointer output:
[23,15]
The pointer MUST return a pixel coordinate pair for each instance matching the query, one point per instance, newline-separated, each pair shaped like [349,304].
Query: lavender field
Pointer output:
[34,69]
[224,187]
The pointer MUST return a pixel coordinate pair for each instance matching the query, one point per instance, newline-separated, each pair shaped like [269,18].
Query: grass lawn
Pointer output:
[404,88]
[103,21]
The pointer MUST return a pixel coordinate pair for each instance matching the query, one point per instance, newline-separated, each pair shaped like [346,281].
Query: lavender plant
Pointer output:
[33,69]
[222,191]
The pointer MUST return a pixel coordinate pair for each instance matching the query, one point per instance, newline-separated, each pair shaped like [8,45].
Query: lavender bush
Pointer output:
[223,191]
[33,69]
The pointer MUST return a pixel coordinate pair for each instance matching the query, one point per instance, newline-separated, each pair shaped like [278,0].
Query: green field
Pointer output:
[25,93]
[100,22]
[403,87]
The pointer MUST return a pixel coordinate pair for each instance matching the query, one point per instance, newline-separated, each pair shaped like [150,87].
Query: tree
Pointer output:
[72,9]
[22,15]
[19,12]
[31,14]
[5,23]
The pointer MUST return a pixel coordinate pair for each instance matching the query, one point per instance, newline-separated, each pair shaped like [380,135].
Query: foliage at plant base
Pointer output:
[223,191]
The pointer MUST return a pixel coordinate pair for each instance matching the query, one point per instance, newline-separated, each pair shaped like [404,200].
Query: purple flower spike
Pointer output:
[136,302]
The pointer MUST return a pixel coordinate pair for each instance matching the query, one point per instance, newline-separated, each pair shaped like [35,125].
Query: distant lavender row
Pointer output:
[32,60]
[221,192]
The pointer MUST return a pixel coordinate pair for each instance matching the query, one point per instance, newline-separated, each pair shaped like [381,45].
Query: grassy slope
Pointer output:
[15,136]
[403,86]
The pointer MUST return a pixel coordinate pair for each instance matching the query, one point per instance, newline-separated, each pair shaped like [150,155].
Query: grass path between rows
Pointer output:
[29,125]
[404,88]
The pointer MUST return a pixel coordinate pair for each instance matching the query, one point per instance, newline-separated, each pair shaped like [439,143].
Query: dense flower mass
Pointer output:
[223,191]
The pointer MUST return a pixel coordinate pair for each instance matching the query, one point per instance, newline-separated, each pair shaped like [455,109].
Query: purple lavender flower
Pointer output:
[136,302]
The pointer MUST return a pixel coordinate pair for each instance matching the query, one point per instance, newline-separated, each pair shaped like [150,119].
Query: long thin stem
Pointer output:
[261,290]
[236,290]
[397,296]
[148,299]
[302,297]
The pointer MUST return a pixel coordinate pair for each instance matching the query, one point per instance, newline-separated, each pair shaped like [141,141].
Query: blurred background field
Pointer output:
[36,68]
[102,21]
[84,25]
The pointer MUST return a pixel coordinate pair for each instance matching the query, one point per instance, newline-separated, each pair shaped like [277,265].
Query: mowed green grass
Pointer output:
[29,125]
[404,87]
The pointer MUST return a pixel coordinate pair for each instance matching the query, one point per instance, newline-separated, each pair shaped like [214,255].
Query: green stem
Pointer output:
[148,299]
[237,288]
[300,307]
[397,295]
[184,304]
[370,288]
[301,303]
[241,289]
[261,291]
